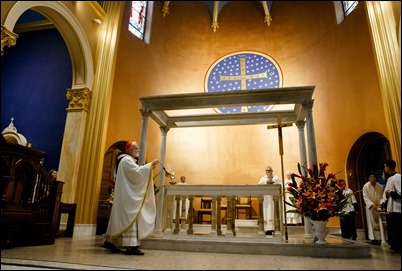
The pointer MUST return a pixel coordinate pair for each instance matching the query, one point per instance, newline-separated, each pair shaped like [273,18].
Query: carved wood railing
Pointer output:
[216,193]
[29,199]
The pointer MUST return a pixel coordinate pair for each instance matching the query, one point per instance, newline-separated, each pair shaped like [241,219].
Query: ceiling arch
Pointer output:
[70,30]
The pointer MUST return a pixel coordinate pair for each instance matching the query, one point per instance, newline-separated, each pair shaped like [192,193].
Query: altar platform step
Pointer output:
[247,241]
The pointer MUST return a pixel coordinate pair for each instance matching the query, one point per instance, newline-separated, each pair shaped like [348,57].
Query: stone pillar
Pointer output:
[77,114]
[261,231]
[190,215]
[177,214]
[303,161]
[213,216]
[183,217]
[312,149]
[169,215]
[218,215]
[302,142]
[144,135]
[160,195]
[230,223]
[277,215]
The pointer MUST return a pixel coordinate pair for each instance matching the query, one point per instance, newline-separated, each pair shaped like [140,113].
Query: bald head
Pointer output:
[268,168]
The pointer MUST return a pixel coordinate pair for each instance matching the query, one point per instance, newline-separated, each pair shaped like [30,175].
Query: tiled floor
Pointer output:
[87,254]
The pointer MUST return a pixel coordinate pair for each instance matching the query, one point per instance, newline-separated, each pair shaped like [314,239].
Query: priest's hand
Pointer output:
[154,162]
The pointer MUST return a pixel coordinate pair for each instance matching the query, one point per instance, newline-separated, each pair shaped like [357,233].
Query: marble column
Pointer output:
[261,231]
[312,153]
[230,222]
[169,215]
[303,161]
[77,114]
[312,149]
[302,143]
[190,230]
[160,195]
[144,135]
[213,216]
[218,215]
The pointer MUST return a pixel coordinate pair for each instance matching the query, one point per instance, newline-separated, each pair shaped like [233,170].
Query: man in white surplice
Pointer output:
[133,213]
[372,195]
[268,204]
[182,182]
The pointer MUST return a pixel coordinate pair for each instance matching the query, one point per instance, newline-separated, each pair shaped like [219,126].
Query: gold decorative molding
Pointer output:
[99,7]
[79,99]
[267,18]
[165,8]
[8,38]
[214,8]
[33,26]
[215,24]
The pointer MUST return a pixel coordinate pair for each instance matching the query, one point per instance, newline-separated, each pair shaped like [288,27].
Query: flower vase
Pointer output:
[320,231]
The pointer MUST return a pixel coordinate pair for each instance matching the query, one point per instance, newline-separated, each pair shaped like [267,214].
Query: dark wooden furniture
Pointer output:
[205,209]
[243,206]
[108,172]
[69,209]
[29,199]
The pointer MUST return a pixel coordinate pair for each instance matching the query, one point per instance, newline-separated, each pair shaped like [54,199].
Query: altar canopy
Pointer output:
[290,104]
[174,110]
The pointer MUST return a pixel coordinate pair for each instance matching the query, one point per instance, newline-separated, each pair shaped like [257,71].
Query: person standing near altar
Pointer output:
[372,194]
[348,219]
[133,213]
[268,204]
[392,197]
[291,218]
[182,182]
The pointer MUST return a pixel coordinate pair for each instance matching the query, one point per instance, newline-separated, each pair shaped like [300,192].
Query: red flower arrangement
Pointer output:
[317,197]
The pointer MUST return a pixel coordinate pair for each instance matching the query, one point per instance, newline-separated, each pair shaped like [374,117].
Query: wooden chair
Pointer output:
[224,208]
[206,209]
[70,209]
[243,205]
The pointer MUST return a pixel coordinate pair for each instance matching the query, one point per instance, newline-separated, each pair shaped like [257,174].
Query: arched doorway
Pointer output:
[79,50]
[109,164]
[367,154]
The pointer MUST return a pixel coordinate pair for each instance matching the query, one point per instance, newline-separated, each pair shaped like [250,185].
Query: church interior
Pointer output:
[216,91]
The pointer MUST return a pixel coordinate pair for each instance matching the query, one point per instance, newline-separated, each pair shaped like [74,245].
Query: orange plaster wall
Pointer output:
[307,43]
